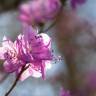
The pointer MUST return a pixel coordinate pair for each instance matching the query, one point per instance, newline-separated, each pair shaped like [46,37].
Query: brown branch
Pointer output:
[15,83]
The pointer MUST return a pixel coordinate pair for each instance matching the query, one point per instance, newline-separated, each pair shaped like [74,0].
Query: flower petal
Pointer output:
[6,43]
[25,75]
[12,65]
[2,51]
[30,72]
[46,39]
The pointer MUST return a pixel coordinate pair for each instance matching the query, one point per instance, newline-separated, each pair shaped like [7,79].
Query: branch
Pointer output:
[15,83]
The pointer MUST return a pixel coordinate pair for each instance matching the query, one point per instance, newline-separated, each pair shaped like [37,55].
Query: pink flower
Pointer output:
[64,92]
[9,53]
[39,11]
[90,79]
[74,3]
[38,46]
[29,49]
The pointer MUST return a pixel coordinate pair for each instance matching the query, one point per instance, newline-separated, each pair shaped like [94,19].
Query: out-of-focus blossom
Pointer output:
[30,49]
[90,80]
[75,3]
[64,92]
[39,11]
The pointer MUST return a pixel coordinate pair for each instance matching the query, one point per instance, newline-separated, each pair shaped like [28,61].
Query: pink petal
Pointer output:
[43,70]
[6,43]
[2,51]
[24,8]
[24,18]
[30,72]
[25,75]
[48,64]
[35,73]
[46,40]
[8,67]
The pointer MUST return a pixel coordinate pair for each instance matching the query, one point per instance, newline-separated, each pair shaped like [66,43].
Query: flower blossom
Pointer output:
[64,92]
[90,79]
[30,49]
[39,11]
[74,3]
[9,53]
[39,47]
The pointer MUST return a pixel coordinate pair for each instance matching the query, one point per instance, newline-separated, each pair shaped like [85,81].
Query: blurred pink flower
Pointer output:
[39,11]
[64,92]
[74,3]
[90,79]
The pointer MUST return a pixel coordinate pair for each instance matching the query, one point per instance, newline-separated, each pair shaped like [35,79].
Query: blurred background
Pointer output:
[74,38]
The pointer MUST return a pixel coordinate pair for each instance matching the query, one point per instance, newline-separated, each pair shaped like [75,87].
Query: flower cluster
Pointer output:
[64,92]
[39,11]
[74,3]
[30,49]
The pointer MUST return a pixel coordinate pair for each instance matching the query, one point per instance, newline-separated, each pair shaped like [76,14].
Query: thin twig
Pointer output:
[15,83]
